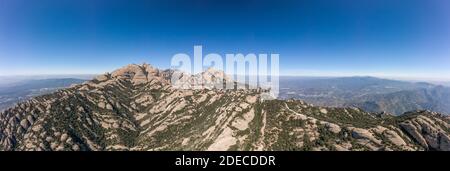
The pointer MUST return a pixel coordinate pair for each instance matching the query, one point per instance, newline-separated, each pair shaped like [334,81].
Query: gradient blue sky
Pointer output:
[391,38]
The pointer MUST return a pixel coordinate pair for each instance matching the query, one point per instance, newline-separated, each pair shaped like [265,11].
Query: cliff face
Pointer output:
[138,108]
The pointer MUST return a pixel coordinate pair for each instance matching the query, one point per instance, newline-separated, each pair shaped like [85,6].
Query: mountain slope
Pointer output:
[137,108]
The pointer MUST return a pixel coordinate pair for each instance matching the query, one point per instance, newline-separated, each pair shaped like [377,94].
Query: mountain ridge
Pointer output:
[138,108]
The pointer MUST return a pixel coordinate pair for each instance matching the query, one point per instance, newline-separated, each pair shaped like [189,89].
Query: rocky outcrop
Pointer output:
[334,128]
[427,132]
[360,133]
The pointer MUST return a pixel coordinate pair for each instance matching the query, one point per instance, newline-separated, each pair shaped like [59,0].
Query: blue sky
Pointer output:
[391,38]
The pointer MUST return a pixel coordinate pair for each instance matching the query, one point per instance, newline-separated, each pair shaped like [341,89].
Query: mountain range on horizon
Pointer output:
[138,108]
[368,93]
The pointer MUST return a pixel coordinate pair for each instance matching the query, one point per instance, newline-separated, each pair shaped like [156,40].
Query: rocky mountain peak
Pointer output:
[136,73]
[139,74]
[212,73]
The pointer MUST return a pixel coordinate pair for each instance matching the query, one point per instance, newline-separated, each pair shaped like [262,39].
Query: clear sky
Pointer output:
[395,38]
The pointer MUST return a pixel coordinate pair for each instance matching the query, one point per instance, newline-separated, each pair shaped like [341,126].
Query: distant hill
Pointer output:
[368,93]
[24,89]
[12,80]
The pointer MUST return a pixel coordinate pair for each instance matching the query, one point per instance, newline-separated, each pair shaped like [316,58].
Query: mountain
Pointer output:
[13,92]
[138,108]
[368,93]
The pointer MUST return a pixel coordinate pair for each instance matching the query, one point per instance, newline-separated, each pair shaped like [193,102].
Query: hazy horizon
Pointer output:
[89,76]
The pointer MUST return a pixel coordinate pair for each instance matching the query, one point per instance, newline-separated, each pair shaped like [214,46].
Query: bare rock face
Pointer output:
[360,133]
[444,144]
[138,108]
[30,119]
[213,76]
[102,78]
[396,139]
[109,106]
[413,131]
[25,124]
[102,105]
[136,73]
[334,128]
[427,132]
